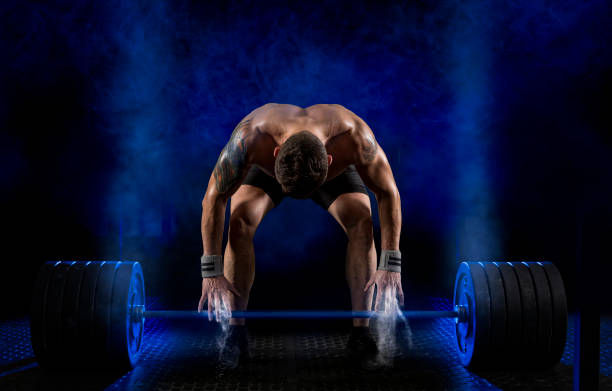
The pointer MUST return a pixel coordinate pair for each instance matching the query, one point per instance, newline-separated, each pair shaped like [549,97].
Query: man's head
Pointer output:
[301,164]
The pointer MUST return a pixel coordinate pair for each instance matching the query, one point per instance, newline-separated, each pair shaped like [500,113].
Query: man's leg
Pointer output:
[248,207]
[352,211]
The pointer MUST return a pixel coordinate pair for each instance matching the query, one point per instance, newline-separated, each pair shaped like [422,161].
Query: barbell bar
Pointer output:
[92,314]
[457,314]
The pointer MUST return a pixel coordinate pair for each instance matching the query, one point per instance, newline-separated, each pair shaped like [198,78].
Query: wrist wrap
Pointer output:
[390,260]
[212,265]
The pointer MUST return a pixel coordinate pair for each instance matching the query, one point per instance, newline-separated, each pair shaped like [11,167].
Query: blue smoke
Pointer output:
[183,77]
[469,39]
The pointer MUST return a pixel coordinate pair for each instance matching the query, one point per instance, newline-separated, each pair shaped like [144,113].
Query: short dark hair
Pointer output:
[301,164]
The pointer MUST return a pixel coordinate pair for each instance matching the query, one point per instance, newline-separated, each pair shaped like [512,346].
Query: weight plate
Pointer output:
[53,313]
[473,338]
[559,314]
[482,299]
[497,293]
[136,323]
[514,315]
[85,319]
[530,312]
[70,311]
[544,302]
[37,311]
[102,311]
[126,330]
[464,331]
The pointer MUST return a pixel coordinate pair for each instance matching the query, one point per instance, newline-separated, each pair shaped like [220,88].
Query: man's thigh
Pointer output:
[250,204]
[350,209]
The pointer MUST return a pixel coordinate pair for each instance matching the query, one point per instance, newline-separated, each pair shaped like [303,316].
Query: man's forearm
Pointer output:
[390,214]
[213,221]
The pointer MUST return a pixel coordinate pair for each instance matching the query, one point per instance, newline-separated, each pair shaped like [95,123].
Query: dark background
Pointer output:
[493,116]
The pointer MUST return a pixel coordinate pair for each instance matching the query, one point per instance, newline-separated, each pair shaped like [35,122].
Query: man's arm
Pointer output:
[230,170]
[374,169]
[228,174]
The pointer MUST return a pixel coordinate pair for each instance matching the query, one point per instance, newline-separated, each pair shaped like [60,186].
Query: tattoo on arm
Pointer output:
[369,148]
[232,160]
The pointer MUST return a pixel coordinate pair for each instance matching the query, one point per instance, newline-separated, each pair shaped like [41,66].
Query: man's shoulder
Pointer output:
[271,106]
[271,112]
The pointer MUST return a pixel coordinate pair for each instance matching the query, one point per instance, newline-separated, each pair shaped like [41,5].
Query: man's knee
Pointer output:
[241,228]
[360,228]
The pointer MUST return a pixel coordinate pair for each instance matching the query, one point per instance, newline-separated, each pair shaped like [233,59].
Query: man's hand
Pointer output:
[389,285]
[216,290]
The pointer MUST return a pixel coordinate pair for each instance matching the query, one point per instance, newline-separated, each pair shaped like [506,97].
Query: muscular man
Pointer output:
[322,152]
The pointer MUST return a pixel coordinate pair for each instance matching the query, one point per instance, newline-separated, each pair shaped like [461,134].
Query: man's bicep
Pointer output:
[229,173]
[233,162]
[377,174]
[367,147]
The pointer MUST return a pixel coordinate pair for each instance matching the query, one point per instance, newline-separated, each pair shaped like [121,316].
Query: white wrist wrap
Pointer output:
[390,260]
[212,265]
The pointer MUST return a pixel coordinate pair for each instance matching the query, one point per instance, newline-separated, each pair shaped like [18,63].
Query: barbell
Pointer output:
[92,314]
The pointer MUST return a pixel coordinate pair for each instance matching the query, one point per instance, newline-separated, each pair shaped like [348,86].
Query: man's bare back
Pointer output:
[342,132]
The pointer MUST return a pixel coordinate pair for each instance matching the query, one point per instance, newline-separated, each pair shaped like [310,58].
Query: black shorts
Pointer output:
[348,181]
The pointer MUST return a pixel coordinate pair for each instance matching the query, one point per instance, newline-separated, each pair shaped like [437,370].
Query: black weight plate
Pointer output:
[482,307]
[37,311]
[85,324]
[497,293]
[514,315]
[118,342]
[559,313]
[53,313]
[70,311]
[544,301]
[530,313]
[102,311]
[128,287]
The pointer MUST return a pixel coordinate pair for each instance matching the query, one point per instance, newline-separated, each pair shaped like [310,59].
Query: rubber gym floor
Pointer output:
[181,355]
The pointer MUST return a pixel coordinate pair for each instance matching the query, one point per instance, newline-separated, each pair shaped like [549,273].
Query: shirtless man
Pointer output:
[322,152]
